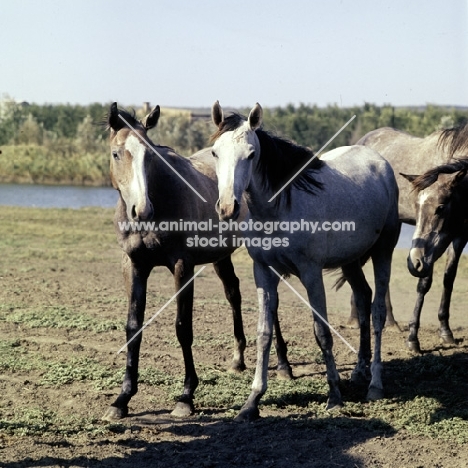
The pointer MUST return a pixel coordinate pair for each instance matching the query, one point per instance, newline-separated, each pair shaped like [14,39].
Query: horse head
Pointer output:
[235,146]
[130,158]
[441,209]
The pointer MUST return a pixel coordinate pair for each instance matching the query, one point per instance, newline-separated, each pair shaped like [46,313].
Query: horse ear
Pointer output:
[217,114]
[113,119]
[411,178]
[255,117]
[458,177]
[151,120]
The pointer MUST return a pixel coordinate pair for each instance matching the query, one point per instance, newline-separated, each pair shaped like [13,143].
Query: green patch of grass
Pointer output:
[211,340]
[55,234]
[61,317]
[81,369]
[220,389]
[14,358]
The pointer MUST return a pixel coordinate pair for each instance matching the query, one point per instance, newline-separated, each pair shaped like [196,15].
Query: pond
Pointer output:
[51,196]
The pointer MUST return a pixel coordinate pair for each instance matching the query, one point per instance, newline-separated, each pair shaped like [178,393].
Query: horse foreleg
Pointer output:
[267,290]
[135,280]
[183,272]
[225,270]
[424,285]
[453,256]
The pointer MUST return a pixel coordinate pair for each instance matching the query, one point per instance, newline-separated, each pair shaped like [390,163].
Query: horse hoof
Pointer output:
[414,347]
[114,414]
[334,405]
[353,323]
[447,338]
[183,410]
[374,394]
[237,368]
[284,373]
[247,415]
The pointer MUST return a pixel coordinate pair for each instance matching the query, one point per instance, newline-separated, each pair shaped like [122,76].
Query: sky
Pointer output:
[182,53]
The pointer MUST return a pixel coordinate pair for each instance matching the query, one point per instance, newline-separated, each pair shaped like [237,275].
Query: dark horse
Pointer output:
[150,191]
[413,155]
[441,222]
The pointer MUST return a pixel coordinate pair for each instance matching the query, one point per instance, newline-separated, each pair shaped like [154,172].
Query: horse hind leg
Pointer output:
[390,323]
[313,281]
[362,295]
[225,271]
[382,253]
[283,369]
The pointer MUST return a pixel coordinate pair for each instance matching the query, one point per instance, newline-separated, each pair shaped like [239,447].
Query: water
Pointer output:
[50,196]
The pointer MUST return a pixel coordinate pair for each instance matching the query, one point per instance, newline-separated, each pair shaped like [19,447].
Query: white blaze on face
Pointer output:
[417,254]
[138,188]
[233,169]
[423,197]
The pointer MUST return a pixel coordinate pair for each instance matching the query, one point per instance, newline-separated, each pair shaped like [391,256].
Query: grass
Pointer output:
[60,317]
[55,234]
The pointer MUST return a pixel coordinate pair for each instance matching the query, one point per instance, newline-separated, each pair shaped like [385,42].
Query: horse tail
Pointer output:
[341,280]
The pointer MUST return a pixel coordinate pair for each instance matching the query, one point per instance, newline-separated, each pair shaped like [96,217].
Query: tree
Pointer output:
[30,132]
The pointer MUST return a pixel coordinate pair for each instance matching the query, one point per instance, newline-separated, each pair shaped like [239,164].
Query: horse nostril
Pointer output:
[134,214]
[418,265]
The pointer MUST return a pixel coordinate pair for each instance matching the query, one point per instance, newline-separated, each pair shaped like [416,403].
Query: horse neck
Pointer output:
[258,197]
[163,183]
[162,158]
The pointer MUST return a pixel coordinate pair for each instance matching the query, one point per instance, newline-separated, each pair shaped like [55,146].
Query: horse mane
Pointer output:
[429,177]
[279,160]
[454,139]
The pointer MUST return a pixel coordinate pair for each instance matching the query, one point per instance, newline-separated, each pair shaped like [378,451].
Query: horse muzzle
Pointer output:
[142,212]
[228,211]
[417,264]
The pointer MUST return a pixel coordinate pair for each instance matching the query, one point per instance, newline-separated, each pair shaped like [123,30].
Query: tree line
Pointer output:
[68,143]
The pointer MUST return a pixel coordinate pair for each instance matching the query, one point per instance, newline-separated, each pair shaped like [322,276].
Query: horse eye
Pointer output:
[440,209]
[115,155]
[214,154]
[251,155]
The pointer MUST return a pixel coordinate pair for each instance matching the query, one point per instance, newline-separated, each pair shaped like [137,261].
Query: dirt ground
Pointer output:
[294,429]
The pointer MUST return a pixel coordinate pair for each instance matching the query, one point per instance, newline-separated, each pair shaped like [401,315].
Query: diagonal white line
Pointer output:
[160,157]
[313,310]
[161,309]
[312,158]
